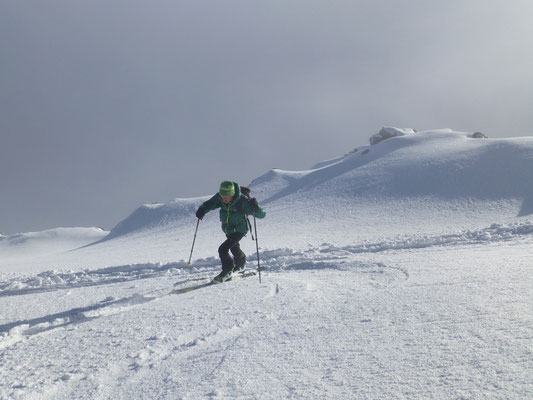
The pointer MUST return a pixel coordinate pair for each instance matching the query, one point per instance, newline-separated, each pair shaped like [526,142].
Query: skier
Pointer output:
[234,207]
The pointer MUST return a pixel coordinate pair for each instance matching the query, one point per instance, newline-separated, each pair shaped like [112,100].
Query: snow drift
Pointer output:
[437,166]
[442,164]
[389,132]
[156,215]
[33,244]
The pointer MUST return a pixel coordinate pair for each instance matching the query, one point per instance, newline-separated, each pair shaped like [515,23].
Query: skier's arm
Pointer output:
[251,207]
[211,204]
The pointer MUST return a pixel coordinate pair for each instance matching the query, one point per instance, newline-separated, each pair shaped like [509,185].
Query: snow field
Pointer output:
[54,279]
[398,271]
[329,323]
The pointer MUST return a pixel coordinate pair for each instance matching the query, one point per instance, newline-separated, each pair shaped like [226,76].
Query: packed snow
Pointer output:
[401,270]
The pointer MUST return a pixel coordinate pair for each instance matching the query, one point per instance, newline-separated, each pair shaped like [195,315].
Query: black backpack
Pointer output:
[246,191]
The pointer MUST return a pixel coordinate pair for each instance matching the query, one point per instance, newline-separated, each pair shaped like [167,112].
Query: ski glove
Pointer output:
[254,206]
[200,213]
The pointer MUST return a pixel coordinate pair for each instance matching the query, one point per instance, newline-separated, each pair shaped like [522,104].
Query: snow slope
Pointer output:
[52,241]
[421,183]
[442,164]
[401,270]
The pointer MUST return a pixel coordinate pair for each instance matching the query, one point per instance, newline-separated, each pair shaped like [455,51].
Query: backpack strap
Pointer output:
[238,208]
[238,204]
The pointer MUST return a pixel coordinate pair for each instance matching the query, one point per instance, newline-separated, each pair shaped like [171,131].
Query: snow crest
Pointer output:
[389,132]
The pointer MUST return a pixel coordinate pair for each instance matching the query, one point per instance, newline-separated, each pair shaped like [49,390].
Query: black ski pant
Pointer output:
[232,244]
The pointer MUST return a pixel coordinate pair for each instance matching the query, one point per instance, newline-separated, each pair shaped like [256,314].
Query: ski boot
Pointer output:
[239,264]
[223,276]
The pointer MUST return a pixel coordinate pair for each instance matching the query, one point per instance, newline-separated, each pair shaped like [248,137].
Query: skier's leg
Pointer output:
[238,256]
[224,249]
[225,258]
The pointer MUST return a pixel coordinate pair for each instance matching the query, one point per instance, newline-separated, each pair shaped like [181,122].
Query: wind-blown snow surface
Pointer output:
[400,270]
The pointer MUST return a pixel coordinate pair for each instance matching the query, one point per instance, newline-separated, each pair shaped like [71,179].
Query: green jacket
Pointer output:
[233,215]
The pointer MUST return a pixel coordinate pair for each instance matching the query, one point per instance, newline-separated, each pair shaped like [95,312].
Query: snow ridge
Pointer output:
[519,231]
[156,215]
[325,256]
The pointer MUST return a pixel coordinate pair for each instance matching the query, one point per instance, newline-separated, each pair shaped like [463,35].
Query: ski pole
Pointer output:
[250,226]
[257,248]
[194,240]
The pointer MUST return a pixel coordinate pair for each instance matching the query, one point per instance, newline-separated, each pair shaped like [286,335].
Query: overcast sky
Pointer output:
[106,105]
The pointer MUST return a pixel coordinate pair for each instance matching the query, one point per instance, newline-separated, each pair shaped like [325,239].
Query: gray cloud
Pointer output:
[107,105]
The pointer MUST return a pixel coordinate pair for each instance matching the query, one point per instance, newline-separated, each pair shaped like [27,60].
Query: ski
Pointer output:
[191,288]
[190,280]
[236,275]
[243,274]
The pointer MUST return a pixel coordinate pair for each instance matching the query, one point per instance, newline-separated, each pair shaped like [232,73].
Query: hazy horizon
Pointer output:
[105,106]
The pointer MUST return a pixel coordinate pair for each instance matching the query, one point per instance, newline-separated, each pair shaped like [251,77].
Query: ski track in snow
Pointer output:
[14,332]
[273,261]
[216,345]
[325,256]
